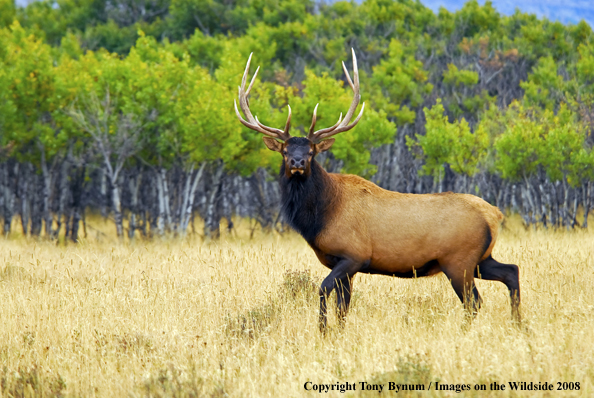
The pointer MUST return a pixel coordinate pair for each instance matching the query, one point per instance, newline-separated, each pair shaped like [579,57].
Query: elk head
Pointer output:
[298,152]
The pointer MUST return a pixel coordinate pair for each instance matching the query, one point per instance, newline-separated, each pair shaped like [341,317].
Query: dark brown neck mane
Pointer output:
[306,200]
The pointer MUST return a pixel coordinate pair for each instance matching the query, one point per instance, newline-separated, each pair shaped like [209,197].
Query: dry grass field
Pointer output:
[239,318]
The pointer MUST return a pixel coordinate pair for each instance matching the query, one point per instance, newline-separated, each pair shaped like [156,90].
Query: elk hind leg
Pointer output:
[463,283]
[509,274]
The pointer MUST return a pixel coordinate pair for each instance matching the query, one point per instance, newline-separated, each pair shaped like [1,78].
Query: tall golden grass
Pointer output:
[239,317]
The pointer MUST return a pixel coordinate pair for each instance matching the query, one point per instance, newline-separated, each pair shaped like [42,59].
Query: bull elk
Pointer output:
[354,226]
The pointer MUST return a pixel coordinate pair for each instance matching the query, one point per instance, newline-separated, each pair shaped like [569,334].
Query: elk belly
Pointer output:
[404,268]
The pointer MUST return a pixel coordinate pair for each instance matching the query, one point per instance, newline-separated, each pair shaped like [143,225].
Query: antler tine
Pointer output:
[252,82]
[278,131]
[246,71]
[346,72]
[355,87]
[288,123]
[321,132]
[318,133]
[313,120]
[250,125]
[343,125]
[329,133]
[253,122]
[355,68]
[269,129]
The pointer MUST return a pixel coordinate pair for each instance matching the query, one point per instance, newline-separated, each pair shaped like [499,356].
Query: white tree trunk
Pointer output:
[134,185]
[189,200]
[8,200]
[47,186]
[211,221]
[117,208]
[161,199]
[166,197]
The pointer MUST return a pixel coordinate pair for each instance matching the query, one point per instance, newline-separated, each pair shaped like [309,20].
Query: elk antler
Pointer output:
[342,124]
[253,122]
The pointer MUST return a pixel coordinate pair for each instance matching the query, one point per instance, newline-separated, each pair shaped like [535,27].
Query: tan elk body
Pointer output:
[400,232]
[354,226]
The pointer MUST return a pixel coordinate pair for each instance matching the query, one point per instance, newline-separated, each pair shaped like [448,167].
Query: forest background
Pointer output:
[125,107]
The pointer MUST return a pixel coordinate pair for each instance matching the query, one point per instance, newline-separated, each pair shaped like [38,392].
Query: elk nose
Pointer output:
[297,163]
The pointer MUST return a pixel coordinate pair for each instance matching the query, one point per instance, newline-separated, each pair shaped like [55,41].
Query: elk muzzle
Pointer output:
[297,165]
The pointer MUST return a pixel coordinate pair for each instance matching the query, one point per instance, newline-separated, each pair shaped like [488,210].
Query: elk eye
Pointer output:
[310,153]
[285,152]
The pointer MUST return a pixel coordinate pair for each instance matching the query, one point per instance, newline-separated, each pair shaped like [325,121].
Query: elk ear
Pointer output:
[324,145]
[273,144]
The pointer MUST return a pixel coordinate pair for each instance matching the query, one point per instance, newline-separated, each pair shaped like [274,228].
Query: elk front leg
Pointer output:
[340,279]
[343,298]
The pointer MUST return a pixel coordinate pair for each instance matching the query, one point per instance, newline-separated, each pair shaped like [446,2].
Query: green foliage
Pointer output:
[451,143]
[517,149]
[7,12]
[209,132]
[477,20]
[8,110]
[544,87]
[403,83]
[534,140]
[585,65]
[213,17]
[457,77]
[353,146]
[29,77]
[203,50]
[173,66]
